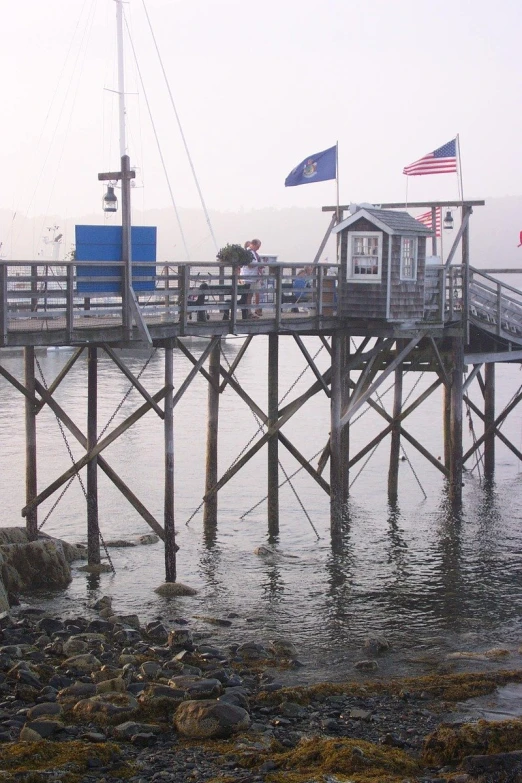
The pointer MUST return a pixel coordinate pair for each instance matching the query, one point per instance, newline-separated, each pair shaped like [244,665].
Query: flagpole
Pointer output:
[337,176]
[459,169]
[338,243]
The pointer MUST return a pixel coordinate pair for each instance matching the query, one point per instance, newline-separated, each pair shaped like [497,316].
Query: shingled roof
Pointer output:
[393,222]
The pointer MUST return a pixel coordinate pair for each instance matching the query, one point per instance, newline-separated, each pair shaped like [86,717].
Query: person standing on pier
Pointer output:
[251,276]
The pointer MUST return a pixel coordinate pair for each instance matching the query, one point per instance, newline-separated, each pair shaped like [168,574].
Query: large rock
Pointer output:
[209,719]
[106,708]
[34,565]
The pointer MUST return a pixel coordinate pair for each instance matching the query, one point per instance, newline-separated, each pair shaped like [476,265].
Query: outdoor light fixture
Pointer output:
[110,202]
[448,220]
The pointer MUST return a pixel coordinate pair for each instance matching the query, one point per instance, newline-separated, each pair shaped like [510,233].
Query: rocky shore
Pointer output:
[105,698]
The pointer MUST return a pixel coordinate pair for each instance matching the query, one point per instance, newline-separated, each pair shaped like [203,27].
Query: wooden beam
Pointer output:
[31,486]
[290,410]
[211,462]
[336,483]
[61,375]
[507,410]
[185,351]
[273,443]
[304,462]
[311,363]
[168,481]
[132,378]
[411,205]
[198,367]
[93,527]
[235,363]
[391,367]
[100,446]
[19,386]
[495,356]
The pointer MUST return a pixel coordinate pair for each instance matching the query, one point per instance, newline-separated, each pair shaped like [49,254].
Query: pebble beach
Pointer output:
[105,698]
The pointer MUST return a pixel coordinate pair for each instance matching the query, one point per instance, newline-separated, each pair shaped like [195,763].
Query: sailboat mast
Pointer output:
[121,77]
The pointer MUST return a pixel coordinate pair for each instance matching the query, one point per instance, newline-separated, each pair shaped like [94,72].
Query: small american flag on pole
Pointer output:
[441,161]
[426,219]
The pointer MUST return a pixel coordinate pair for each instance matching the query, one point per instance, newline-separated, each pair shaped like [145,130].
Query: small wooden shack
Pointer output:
[383,261]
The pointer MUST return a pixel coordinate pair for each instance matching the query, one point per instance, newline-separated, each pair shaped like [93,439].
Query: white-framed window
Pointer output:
[409,258]
[365,256]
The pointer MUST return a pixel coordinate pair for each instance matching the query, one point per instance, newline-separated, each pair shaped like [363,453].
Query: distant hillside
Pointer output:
[293,234]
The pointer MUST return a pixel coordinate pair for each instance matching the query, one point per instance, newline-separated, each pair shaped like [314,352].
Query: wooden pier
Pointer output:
[385,309]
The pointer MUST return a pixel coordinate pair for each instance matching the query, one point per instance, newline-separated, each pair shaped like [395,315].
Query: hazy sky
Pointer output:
[259,85]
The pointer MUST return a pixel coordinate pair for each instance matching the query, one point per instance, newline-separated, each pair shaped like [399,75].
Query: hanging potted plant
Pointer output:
[234,255]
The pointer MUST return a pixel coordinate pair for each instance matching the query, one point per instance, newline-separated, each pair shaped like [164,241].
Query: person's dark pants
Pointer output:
[243,300]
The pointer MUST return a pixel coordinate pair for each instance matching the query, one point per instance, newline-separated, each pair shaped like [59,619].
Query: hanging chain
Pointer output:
[260,427]
[126,395]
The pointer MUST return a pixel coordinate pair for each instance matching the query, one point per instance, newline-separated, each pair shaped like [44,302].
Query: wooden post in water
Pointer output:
[273,442]
[345,432]
[31,490]
[211,477]
[489,419]
[393,471]
[446,418]
[168,430]
[93,529]
[336,478]
[455,484]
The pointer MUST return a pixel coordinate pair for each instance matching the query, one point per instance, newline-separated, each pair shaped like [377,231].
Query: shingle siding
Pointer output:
[369,300]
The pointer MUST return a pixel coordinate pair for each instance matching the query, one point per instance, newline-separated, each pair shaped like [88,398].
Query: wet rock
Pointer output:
[130,728]
[197,688]
[49,625]
[376,645]
[106,707]
[282,648]
[116,685]
[147,539]
[236,696]
[46,708]
[105,602]
[180,637]
[366,666]
[157,631]
[87,663]
[127,620]
[34,565]
[214,620]
[175,588]
[252,651]
[77,690]
[100,626]
[74,646]
[43,728]
[150,669]
[161,697]
[494,764]
[209,719]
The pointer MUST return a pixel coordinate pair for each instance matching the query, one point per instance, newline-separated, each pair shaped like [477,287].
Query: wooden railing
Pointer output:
[71,296]
[494,304]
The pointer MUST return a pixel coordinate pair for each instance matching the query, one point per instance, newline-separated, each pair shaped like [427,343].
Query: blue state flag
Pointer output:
[314,168]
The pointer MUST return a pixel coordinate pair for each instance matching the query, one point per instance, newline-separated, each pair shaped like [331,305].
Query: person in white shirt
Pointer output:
[251,274]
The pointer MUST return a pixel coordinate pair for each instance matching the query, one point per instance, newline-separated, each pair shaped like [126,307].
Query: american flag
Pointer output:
[440,161]
[425,218]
